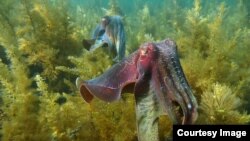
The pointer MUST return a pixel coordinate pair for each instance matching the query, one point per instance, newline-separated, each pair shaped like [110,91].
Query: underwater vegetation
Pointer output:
[41,54]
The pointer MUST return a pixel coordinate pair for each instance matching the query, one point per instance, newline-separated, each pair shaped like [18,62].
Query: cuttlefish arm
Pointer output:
[116,33]
[154,74]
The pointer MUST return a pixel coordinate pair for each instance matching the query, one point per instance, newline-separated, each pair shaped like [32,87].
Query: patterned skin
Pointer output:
[154,74]
[109,33]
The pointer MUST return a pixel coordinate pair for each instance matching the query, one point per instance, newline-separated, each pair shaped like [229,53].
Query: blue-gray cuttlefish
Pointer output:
[109,33]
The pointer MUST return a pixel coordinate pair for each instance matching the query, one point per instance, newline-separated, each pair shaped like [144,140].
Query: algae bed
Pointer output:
[41,55]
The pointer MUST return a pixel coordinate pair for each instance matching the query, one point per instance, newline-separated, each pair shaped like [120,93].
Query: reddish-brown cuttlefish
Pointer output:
[155,76]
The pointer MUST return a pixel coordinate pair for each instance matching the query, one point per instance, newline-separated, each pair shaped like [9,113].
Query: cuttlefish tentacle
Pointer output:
[171,84]
[154,74]
[120,42]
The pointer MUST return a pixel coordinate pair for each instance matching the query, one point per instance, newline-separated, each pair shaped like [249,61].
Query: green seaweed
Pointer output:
[41,55]
[220,105]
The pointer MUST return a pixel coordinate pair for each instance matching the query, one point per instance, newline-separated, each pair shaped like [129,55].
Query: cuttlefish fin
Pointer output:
[84,93]
[109,86]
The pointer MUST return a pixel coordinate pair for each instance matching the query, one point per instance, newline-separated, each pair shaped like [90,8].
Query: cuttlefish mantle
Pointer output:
[155,76]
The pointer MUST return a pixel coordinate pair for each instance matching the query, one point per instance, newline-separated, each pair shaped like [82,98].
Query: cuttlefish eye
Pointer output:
[101,32]
[145,50]
[105,21]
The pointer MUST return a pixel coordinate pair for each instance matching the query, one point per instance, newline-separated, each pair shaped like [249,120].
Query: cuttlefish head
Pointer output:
[154,67]
[100,38]
[171,86]
[108,33]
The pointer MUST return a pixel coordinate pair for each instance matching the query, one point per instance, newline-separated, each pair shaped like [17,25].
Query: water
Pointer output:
[42,54]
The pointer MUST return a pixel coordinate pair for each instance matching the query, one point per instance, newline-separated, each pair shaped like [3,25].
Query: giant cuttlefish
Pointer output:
[109,33]
[154,74]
